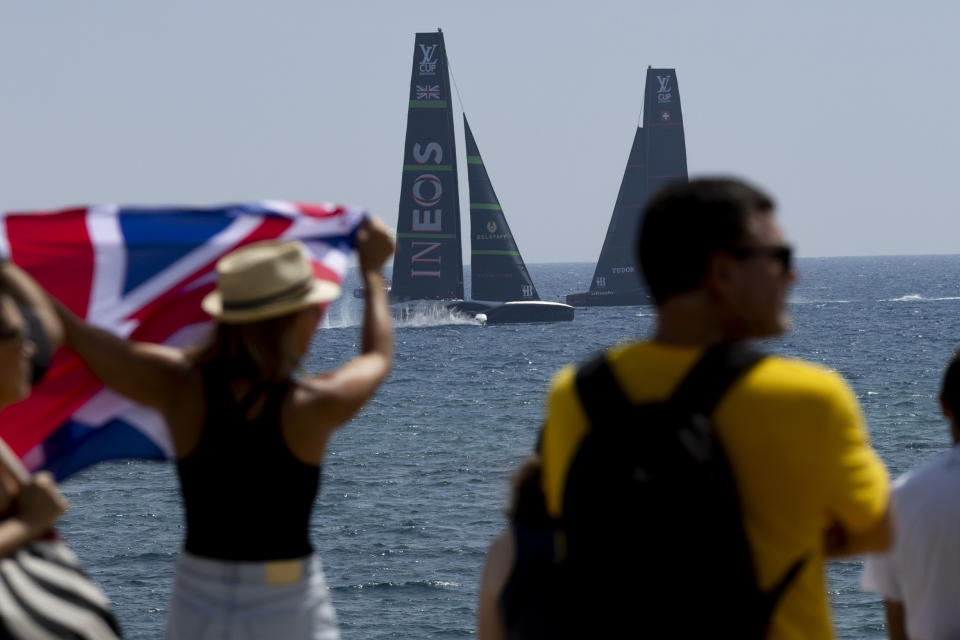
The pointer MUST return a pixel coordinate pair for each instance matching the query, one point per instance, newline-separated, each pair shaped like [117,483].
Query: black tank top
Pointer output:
[246,496]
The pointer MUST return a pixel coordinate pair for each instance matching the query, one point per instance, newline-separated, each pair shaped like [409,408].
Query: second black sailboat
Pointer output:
[658,156]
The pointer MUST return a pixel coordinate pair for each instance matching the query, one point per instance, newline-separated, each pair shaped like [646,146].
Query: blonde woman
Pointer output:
[249,437]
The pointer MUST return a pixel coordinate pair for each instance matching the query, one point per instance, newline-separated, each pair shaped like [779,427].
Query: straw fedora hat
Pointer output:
[265,280]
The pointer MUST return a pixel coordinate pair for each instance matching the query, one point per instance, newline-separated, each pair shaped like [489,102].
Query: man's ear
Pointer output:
[719,273]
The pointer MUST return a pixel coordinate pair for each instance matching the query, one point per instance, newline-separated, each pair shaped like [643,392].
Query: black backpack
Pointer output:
[651,542]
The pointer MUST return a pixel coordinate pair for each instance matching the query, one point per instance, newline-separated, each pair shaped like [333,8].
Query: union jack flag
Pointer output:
[428,92]
[141,273]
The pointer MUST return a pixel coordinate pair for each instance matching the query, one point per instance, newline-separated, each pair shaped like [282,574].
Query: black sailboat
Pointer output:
[428,264]
[658,156]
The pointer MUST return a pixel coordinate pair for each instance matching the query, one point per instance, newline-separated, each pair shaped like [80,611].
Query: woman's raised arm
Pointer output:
[147,373]
[339,394]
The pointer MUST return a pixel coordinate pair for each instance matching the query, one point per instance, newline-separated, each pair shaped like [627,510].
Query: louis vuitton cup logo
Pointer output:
[428,63]
[664,91]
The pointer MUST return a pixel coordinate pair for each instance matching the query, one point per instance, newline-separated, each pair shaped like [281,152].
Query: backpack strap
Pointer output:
[600,394]
[720,366]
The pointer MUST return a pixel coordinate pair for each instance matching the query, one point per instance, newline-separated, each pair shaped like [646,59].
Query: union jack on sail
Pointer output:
[428,92]
[141,273]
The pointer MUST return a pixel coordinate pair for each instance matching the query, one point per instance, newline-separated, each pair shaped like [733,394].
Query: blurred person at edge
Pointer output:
[919,576]
[45,593]
[29,505]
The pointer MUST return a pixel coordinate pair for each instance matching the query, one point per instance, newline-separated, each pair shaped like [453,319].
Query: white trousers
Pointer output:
[222,599]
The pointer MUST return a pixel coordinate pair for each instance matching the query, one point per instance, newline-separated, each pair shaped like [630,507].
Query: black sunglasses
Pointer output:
[11,333]
[782,254]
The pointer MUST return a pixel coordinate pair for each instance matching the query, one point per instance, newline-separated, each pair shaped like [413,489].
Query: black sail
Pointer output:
[615,270]
[658,156]
[428,263]
[663,121]
[497,269]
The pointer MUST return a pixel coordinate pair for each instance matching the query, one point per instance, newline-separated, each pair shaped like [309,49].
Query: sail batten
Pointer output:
[496,266]
[438,104]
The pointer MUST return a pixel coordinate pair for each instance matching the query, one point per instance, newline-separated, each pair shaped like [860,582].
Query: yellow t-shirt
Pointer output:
[799,452]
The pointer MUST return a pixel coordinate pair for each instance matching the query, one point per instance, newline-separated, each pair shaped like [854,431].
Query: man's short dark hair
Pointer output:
[685,223]
[950,389]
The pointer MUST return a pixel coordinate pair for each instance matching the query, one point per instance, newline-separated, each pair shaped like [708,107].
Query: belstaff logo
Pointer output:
[665,91]
[428,64]
[491,227]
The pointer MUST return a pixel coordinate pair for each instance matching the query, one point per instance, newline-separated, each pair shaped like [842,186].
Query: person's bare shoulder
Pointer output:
[498,564]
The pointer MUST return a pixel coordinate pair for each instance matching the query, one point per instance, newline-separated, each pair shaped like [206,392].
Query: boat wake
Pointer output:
[916,297]
[348,312]
[802,300]
[432,316]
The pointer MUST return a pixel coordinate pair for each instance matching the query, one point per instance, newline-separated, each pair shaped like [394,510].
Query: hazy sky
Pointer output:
[846,111]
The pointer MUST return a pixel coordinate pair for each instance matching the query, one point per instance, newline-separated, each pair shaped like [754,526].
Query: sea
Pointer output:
[414,487]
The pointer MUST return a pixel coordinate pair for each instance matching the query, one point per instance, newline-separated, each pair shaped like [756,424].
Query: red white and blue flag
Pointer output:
[140,272]
[428,92]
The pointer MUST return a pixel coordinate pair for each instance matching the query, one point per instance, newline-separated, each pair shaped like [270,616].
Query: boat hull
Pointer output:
[629,298]
[517,312]
[527,312]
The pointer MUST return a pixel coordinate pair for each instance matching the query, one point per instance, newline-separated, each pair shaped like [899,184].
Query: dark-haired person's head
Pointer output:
[720,234]
[950,396]
[16,351]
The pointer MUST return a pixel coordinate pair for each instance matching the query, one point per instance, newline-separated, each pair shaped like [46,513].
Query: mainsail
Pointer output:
[428,263]
[496,267]
[658,156]
[663,121]
[615,270]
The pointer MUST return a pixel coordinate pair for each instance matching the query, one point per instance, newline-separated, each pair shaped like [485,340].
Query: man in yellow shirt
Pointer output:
[809,484]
